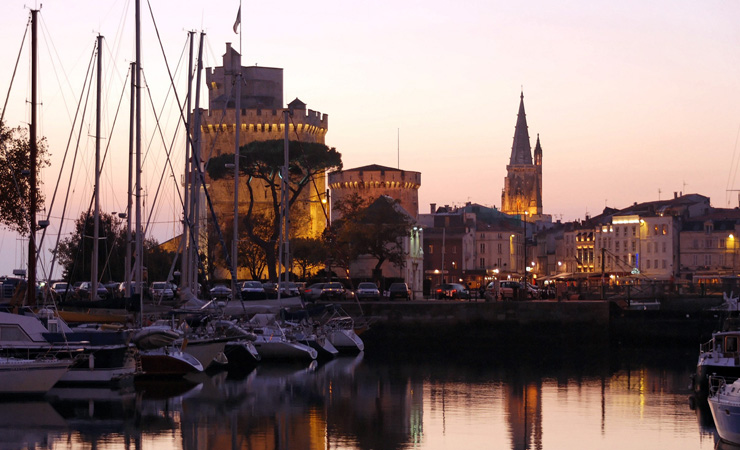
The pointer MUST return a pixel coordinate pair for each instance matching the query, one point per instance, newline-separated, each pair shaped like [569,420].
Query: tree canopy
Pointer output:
[74,253]
[15,152]
[375,228]
[260,166]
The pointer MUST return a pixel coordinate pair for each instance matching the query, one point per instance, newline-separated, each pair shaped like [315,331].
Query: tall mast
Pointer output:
[237,116]
[31,287]
[129,192]
[195,217]
[187,219]
[284,244]
[139,272]
[96,191]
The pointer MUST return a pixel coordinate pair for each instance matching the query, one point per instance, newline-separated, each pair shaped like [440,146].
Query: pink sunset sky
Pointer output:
[632,100]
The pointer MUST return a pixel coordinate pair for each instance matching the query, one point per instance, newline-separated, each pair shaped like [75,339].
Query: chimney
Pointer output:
[433,207]
[675,195]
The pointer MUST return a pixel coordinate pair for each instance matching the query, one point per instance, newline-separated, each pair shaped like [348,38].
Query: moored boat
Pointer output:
[724,402]
[30,376]
[719,356]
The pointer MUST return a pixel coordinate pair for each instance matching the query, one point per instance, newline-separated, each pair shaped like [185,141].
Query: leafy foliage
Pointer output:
[260,165]
[308,253]
[74,253]
[374,228]
[15,152]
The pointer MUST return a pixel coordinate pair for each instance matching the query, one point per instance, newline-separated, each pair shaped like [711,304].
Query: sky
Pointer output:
[632,100]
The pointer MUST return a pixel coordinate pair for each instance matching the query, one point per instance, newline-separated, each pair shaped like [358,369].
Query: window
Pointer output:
[665,229]
[655,229]
[454,249]
[721,243]
[499,248]
[431,249]
[483,263]
[483,248]
[707,260]
[696,243]
[648,263]
[483,235]
[634,231]
[664,247]
[708,243]
[634,246]
[616,246]
[664,265]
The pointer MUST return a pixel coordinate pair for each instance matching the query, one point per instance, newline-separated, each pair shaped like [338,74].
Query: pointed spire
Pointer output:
[521,151]
[538,152]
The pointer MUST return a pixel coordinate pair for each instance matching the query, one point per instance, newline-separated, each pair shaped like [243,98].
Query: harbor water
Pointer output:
[531,395]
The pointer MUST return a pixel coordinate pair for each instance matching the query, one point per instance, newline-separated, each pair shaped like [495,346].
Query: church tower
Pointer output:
[523,183]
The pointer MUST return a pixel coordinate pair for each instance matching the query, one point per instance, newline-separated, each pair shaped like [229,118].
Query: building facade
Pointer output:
[261,118]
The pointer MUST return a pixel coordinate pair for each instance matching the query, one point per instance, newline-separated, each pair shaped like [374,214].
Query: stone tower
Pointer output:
[523,183]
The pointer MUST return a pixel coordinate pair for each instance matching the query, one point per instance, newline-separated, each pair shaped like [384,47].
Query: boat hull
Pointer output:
[283,350]
[30,376]
[168,362]
[726,416]
[346,340]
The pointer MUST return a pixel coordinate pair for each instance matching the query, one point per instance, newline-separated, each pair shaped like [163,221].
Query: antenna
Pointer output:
[659,191]
[398,148]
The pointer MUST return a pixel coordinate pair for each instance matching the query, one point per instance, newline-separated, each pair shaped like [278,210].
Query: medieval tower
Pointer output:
[522,192]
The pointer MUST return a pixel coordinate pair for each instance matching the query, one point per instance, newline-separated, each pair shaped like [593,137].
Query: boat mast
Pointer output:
[139,269]
[238,128]
[31,286]
[195,216]
[185,239]
[285,208]
[96,213]
[130,180]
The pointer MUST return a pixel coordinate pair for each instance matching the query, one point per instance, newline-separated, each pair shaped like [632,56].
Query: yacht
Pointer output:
[724,402]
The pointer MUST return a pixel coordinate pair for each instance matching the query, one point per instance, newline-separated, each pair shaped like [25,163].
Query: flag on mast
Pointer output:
[238,19]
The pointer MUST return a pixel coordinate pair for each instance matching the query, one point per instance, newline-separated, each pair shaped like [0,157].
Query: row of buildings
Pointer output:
[680,238]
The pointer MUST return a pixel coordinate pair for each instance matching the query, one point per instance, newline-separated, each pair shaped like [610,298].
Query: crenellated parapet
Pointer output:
[370,182]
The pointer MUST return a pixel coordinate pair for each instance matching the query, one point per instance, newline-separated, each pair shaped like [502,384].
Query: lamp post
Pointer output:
[523,291]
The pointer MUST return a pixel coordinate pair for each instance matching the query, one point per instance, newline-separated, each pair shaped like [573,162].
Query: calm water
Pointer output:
[580,398]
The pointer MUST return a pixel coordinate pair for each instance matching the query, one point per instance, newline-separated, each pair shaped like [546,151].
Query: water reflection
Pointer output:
[566,400]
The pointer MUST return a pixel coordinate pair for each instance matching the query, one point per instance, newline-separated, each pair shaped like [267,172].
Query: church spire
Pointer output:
[521,151]
[538,152]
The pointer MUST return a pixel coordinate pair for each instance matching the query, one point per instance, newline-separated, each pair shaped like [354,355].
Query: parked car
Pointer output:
[313,292]
[367,291]
[162,291]
[452,290]
[252,290]
[144,288]
[83,292]
[60,290]
[288,289]
[399,290]
[332,291]
[220,292]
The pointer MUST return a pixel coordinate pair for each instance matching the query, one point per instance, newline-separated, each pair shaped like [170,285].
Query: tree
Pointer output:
[260,166]
[74,253]
[308,253]
[15,151]
[376,229]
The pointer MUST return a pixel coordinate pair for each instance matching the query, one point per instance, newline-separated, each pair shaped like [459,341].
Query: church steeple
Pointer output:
[521,151]
[538,152]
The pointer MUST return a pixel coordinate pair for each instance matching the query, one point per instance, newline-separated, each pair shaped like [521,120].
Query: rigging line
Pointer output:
[66,150]
[15,69]
[113,127]
[168,162]
[733,168]
[73,166]
[164,103]
[313,179]
[50,46]
[199,172]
